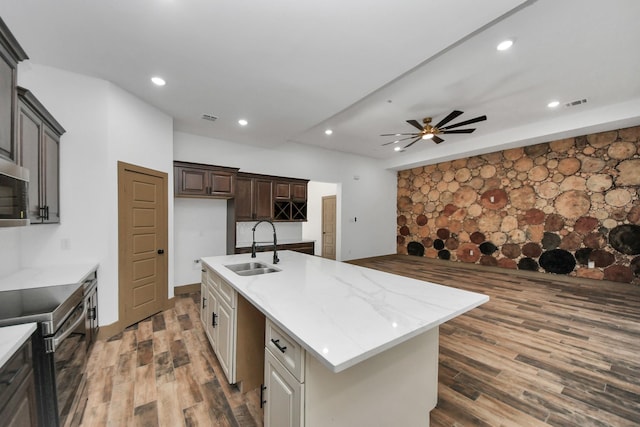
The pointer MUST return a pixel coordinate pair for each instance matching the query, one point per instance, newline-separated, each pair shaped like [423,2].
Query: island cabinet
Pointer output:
[10,54]
[39,151]
[17,390]
[253,201]
[343,345]
[301,391]
[235,330]
[203,181]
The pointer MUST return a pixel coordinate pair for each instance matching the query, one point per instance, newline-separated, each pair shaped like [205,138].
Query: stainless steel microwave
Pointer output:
[14,194]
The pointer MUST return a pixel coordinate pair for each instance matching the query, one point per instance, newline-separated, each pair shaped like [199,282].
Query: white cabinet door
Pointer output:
[212,318]
[204,304]
[225,346]
[283,395]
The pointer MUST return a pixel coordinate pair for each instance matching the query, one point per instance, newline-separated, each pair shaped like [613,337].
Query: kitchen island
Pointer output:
[345,345]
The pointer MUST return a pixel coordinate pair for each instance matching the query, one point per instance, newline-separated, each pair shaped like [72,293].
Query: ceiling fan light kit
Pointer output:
[427,131]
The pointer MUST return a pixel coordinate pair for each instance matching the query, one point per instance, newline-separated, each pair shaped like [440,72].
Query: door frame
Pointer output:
[163,225]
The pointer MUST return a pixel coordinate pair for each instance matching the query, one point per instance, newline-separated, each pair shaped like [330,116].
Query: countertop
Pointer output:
[341,313]
[36,277]
[12,338]
[270,243]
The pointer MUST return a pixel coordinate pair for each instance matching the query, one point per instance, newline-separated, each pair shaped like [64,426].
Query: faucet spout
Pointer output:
[275,241]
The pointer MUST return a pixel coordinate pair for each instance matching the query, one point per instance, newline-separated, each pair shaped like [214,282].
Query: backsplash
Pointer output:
[285,232]
[570,206]
[9,250]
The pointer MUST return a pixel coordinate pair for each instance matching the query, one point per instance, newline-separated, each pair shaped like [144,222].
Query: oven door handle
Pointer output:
[50,344]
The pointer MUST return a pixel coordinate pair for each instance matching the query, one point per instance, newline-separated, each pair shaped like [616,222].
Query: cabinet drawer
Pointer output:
[286,350]
[227,293]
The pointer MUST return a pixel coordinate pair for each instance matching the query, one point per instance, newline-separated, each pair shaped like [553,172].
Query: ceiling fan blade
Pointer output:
[416,124]
[457,131]
[451,116]
[412,142]
[398,134]
[466,122]
[398,140]
[437,139]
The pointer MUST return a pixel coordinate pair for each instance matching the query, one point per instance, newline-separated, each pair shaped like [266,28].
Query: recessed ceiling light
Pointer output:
[553,104]
[397,149]
[158,81]
[243,122]
[328,132]
[504,45]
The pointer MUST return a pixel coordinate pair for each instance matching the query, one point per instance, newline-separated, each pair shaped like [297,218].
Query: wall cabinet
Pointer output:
[290,200]
[17,390]
[38,150]
[10,54]
[203,181]
[253,201]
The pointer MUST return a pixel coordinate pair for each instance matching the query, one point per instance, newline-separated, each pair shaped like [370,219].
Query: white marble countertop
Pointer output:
[12,338]
[36,277]
[342,313]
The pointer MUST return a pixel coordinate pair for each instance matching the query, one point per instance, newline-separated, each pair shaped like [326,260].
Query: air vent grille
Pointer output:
[576,103]
[209,117]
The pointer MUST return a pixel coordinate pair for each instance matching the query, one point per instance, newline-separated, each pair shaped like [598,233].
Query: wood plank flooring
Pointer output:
[162,372]
[544,351]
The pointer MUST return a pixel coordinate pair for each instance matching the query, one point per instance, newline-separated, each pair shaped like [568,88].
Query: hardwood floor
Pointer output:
[162,372]
[544,351]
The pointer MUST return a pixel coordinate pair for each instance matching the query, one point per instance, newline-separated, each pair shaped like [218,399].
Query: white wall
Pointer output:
[200,230]
[367,191]
[104,124]
[312,229]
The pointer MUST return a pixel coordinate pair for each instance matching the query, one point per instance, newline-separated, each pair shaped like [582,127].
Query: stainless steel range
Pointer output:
[66,317]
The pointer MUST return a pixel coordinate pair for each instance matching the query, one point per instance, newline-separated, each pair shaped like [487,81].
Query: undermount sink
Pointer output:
[251,268]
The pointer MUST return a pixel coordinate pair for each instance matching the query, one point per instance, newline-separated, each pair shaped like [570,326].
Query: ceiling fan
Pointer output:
[431,132]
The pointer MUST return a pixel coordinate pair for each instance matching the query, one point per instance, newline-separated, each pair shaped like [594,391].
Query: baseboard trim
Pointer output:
[186,289]
[107,331]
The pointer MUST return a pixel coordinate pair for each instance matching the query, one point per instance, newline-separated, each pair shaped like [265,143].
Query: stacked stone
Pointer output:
[570,206]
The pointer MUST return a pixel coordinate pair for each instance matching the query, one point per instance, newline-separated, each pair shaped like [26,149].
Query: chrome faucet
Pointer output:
[275,241]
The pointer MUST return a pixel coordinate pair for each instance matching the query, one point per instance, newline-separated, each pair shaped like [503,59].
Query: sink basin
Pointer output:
[246,266]
[256,271]
[251,268]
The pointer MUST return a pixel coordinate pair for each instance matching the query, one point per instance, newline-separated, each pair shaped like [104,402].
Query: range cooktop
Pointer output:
[48,305]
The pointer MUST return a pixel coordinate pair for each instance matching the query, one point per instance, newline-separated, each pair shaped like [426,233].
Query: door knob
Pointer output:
[160,251]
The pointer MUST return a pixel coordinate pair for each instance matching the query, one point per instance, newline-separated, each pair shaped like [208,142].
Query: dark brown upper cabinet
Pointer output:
[204,181]
[38,150]
[253,200]
[290,199]
[10,54]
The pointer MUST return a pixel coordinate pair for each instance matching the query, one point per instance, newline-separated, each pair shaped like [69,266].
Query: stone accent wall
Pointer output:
[570,206]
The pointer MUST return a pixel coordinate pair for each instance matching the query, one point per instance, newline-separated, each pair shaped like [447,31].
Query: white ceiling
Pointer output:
[293,68]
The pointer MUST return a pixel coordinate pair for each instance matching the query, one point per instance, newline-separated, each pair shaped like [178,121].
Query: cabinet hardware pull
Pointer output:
[203,270]
[204,302]
[46,212]
[213,320]
[43,212]
[262,389]
[160,251]
[277,344]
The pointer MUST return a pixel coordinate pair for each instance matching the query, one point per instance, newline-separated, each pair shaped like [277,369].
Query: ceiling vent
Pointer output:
[209,117]
[576,103]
